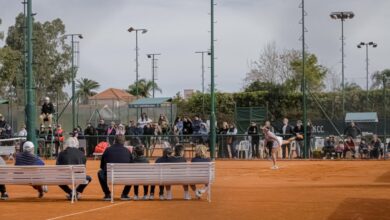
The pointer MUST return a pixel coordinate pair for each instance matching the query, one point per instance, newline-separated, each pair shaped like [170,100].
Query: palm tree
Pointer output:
[85,89]
[144,88]
[377,78]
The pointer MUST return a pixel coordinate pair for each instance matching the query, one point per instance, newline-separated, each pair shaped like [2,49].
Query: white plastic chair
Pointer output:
[244,146]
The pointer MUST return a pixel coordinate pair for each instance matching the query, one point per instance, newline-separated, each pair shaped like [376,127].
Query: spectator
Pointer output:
[200,156]
[179,125]
[90,133]
[329,147]
[187,127]
[164,124]
[363,149]
[102,131]
[204,132]
[149,133]
[287,132]
[223,148]
[349,146]
[116,153]
[121,129]
[376,147]
[3,190]
[132,132]
[178,158]
[298,133]
[47,111]
[72,156]
[167,154]
[339,149]
[27,158]
[269,144]
[23,131]
[143,120]
[58,138]
[5,128]
[352,130]
[139,152]
[111,132]
[196,124]
[253,132]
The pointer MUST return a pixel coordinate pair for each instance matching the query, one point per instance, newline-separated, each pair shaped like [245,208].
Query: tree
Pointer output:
[377,79]
[144,88]
[314,72]
[272,66]
[51,64]
[85,89]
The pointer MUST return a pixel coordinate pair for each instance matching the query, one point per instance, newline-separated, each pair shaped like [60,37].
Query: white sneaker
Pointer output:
[274,167]
[169,195]
[198,194]
[162,197]
[151,197]
[45,189]
[135,198]
[145,197]
[187,195]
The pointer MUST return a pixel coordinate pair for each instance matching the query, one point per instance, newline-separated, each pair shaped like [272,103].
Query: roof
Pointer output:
[113,94]
[4,101]
[361,117]
[149,102]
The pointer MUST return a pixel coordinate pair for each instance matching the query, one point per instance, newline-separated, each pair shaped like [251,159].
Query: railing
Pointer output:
[228,146]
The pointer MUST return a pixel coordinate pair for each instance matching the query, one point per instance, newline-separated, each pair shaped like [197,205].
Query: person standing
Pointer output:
[269,144]
[3,190]
[101,130]
[352,131]
[117,153]
[144,120]
[253,132]
[287,132]
[111,132]
[27,158]
[5,128]
[58,138]
[298,133]
[276,143]
[90,133]
[72,156]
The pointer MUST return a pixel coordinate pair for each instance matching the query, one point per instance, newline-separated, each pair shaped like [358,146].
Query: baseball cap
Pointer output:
[28,146]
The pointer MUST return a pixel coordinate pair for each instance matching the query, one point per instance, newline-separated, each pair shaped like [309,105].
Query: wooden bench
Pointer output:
[161,174]
[44,175]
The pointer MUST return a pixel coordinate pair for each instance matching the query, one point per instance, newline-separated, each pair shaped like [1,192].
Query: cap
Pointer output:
[28,146]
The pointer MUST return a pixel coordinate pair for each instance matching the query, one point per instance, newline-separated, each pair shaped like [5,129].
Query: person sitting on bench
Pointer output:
[3,191]
[47,111]
[72,156]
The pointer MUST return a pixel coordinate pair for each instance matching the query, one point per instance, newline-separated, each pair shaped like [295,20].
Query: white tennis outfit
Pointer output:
[277,141]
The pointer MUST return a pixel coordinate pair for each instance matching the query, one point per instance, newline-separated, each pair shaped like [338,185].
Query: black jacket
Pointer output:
[47,108]
[352,131]
[116,153]
[199,159]
[289,132]
[101,129]
[162,160]
[141,159]
[90,131]
[253,131]
[71,156]
[177,160]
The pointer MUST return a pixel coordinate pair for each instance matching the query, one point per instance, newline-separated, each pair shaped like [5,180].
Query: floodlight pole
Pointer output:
[30,105]
[152,56]
[367,44]
[212,93]
[385,115]
[305,138]
[342,16]
[73,78]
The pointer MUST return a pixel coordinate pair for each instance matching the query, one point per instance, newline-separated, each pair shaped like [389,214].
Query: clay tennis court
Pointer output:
[243,190]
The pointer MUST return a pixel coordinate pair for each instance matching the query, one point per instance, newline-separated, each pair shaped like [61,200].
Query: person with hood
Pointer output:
[27,158]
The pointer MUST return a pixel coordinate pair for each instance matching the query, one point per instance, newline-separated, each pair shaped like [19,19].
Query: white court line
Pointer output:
[91,210]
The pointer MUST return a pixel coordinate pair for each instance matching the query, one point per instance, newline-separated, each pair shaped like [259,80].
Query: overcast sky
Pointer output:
[178,28]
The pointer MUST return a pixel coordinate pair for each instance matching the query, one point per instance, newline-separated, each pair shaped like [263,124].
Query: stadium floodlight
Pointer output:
[343,15]
[367,44]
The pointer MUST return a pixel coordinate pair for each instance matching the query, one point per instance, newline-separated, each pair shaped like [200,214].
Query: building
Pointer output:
[188,93]
[112,97]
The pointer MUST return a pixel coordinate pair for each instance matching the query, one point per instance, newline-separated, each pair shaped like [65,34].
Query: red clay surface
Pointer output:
[243,190]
